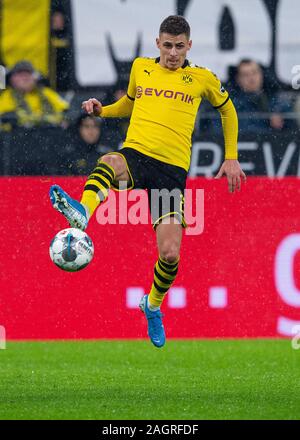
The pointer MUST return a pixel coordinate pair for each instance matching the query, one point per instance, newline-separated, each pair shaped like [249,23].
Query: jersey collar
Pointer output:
[185,64]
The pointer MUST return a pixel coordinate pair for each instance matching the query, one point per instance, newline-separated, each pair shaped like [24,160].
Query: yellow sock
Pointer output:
[164,275]
[97,186]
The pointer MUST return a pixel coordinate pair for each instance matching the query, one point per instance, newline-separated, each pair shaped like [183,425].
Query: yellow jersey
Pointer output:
[165,108]
[163,105]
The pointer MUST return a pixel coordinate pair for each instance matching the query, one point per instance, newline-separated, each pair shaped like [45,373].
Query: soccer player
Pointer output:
[162,100]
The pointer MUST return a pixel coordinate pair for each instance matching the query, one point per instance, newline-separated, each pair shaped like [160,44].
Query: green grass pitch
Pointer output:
[196,380]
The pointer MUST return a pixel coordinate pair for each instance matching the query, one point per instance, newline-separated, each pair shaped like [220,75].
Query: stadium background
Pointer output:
[240,278]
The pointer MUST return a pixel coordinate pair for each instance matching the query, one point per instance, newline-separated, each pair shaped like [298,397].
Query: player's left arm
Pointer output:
[219,98]
[230,167]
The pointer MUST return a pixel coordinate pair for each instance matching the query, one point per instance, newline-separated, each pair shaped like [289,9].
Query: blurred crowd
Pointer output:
[34,103]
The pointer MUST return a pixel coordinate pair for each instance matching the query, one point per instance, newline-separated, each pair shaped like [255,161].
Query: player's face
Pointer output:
[173,49]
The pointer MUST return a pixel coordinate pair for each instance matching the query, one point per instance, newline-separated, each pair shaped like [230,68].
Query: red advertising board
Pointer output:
[239,278]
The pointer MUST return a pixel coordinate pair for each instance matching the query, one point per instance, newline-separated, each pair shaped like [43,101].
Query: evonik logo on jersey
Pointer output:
[169,94]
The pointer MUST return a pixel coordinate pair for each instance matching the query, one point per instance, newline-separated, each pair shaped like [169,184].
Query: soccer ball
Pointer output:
[71,249]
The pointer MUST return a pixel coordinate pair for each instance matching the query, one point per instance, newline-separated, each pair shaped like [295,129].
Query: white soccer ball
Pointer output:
[71,249]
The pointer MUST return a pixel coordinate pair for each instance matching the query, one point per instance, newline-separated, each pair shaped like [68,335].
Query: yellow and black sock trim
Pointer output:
[164,275]
[97,186]
[100,180]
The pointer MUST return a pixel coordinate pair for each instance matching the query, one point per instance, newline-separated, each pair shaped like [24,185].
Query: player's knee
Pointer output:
[115,161]
[169,251]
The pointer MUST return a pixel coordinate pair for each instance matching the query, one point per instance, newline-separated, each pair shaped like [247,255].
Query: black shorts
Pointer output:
[165,184]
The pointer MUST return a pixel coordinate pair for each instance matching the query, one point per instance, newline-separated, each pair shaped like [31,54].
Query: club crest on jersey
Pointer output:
[187,78]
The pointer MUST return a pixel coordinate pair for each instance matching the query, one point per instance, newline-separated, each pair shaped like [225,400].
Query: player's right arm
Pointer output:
[120,109]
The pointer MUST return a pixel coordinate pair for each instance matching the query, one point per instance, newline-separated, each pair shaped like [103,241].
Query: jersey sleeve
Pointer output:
[230,129]
[132,81]
[214,92]
[120,109]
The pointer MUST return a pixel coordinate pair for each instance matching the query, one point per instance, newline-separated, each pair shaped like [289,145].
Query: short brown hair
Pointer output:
[175,25]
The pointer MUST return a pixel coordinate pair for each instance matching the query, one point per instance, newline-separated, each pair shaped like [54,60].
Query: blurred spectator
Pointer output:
[258,111]
[86,145]
[27,103]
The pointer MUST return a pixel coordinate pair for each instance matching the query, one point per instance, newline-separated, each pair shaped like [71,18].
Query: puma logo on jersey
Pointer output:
[146,71]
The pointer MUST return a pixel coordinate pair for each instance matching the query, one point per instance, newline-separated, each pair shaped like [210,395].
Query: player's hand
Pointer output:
[92,106]
[232,169]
